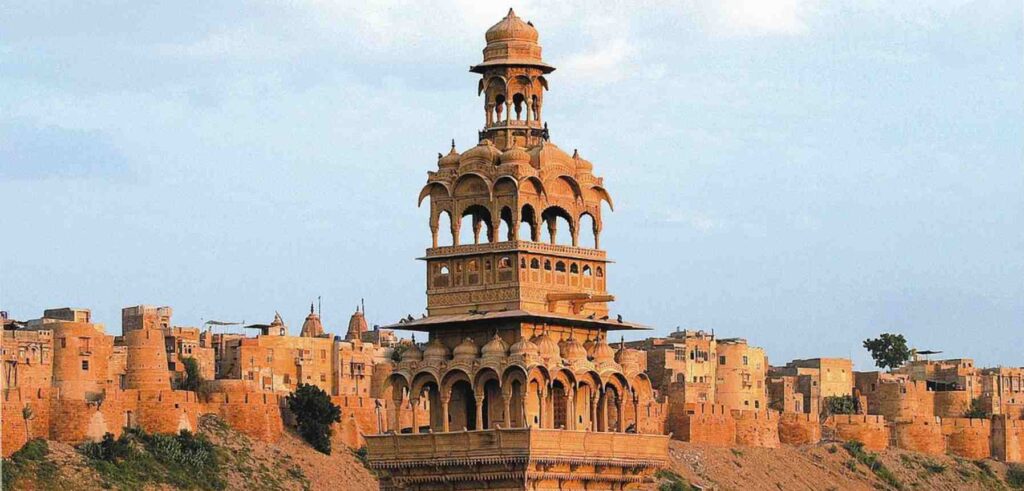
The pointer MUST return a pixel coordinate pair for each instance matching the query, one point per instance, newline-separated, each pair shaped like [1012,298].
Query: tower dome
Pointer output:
[512,28]
[450,161]
[573,351]
[583,165]
[627,357]
[603,353]
[524,347]
[466,350]
[547,348]
[412,353]
[356,326]
[515,155]
[312,327]
[436,351]
[495,348]
[484,152]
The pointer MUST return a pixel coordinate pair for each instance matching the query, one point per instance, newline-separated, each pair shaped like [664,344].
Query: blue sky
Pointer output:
[801,173]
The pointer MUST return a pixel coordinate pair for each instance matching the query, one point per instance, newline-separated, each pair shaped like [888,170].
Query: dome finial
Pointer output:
[511,13]
[453,144]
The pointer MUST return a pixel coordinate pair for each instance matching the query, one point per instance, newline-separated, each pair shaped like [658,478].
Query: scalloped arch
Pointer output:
[428,188]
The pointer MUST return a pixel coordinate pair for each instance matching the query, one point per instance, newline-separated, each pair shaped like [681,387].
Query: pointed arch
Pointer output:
[604,195]
[552,183]
[535,185]
[429,190]
[464,186]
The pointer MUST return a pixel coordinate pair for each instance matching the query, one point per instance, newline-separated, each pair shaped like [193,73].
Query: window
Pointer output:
[560,267]
[323,354]
[487,265]
[505,262]
[547,265]
[721,360]
[534,263]
[85,365]
[287,379]
[444,269]
[746,403]
[574,269]
[757,404]
[522,263]
[323,377]
[600,272]
[270,355]
[587,271]
[693,355]
[472,265]
[745,360]
[63,342]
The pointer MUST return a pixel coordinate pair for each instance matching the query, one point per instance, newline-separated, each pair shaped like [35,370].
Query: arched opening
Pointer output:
[527,229]
[516,419]
[584,404]
[534,263]
[558,404]
[560,226]
[519,106]
[462,407]
[608,410]
[492,405]
[505,225]
[534,396]
[587,271]
[499,107]
[476,225]
[588,231]
[444,229]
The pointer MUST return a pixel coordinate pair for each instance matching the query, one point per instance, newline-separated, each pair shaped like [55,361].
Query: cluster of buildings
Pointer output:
[520,384]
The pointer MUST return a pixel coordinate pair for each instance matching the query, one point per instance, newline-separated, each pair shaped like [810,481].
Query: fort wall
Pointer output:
[967,438]
[757,428]
[1008,439]
[869,430]
[920,435]
[799,428]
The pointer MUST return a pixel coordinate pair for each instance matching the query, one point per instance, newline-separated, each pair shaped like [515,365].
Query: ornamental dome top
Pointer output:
[495,348]
[466,350]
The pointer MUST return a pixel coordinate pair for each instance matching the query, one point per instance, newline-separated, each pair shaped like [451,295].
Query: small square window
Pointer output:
[85,365]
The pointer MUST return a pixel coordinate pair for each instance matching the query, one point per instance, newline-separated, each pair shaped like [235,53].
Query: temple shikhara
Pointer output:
[524,389]
[521,377]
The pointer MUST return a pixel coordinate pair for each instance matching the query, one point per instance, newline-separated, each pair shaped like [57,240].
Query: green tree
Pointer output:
[888,350]
[193,379]
[314,412]
[977,410]
[841,405]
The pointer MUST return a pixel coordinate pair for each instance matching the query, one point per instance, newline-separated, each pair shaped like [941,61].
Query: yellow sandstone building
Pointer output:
[524,389]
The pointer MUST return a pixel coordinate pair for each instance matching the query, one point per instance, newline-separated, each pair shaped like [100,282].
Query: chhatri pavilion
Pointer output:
[524,389]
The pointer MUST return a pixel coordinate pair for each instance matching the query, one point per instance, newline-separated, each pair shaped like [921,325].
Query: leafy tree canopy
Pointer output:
[314,413]
[888,350]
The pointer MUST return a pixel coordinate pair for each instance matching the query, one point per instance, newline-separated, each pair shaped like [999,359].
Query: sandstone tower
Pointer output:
[143,330]
[524,390]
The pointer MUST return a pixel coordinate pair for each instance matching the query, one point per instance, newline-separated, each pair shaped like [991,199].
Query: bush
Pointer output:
[977,410]
[314,412]
[136,458]
[30,460]
[869,459]
[1015,475]
[670,481]
[841,405]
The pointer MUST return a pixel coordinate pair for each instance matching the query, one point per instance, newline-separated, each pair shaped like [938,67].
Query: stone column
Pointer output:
[506,399]
[444,413]
[414,401]
[553,228]
[570,412]
[479,412]
[620,404]
[508,111]
[593,413]
[396,418]
[604,412]
[456,224]
[636,412]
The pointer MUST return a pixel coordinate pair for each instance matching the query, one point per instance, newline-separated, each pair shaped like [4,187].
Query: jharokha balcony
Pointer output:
[517,458]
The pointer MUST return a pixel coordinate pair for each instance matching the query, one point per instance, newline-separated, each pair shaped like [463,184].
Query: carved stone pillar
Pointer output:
[396,418]
[604,412]
[506,401]
[415,401]
[593,412]
[456,225]
[570,411]
[444,413]
[479,412]
[553,228]
[620,405]
[477,224]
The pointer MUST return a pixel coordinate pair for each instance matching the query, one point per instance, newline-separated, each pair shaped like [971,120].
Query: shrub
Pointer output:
[314,412]
[136,458]
[30,460]
[841,405]
[670,481]
[1015,475]
[977,410]
[933,467]
[869,459]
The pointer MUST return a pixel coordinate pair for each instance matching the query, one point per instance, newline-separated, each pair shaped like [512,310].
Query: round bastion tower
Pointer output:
[146,366]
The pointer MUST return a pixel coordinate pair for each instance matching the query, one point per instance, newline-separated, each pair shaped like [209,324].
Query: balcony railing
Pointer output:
[520,245]
[399,450]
